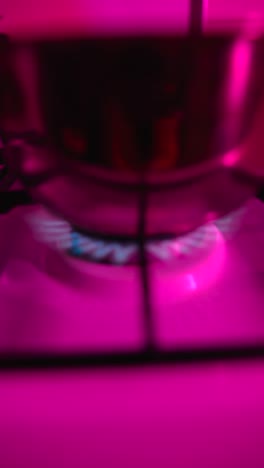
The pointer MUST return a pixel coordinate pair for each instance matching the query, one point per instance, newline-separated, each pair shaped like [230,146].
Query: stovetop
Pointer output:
[59,309]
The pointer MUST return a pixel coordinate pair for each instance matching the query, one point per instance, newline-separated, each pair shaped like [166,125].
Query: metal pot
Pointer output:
[102,129]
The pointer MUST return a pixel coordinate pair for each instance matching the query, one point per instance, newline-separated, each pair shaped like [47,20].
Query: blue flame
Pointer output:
[58,233]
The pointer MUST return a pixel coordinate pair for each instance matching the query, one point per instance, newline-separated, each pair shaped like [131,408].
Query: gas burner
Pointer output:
[60,235]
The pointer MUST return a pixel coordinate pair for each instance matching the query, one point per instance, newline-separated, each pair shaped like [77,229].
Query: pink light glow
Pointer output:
[232,158]
[180,280]
[236,89]
[192,282]
[239,72]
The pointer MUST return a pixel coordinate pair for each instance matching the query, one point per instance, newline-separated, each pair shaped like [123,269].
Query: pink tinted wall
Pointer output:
[224,13]
[129,15]
[225,9]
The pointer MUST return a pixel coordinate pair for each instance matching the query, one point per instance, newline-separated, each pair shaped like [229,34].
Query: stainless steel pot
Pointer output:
[101,128]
